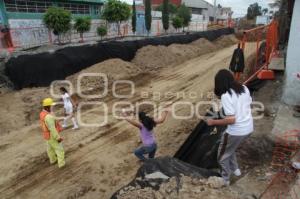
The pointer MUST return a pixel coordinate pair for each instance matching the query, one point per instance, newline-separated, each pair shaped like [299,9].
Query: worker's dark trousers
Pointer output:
[226,154]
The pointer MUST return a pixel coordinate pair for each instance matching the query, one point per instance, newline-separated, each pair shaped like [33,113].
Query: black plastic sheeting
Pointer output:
[43,68]
[170,167]
[201,147]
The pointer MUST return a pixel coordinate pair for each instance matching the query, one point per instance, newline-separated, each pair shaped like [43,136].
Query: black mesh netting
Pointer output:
[41,69]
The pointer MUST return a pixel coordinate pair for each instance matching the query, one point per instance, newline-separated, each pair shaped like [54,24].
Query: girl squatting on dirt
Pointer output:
[69,105]
[236,101]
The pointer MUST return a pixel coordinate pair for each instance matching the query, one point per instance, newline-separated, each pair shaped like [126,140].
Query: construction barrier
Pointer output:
[41,69]
[266,38]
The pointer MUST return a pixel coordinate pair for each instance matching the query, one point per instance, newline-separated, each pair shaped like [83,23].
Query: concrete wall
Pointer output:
[291,93]
[32,32]
[27,33]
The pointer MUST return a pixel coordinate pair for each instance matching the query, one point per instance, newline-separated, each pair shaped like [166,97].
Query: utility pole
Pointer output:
[215,11]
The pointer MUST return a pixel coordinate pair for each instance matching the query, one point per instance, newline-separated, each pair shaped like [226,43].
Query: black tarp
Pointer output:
[41,69]
[201,147]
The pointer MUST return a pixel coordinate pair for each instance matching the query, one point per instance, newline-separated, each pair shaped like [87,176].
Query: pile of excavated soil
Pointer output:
[114,69]
[19,109]
[154,57]
[226,40]
[151,58]
[194,49]
[205,45]
[183,51]
[187,187]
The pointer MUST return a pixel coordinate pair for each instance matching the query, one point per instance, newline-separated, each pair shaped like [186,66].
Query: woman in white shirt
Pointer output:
[68,106]
[236,102]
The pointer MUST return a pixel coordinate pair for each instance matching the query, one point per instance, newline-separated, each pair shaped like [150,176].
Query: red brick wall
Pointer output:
[158,2]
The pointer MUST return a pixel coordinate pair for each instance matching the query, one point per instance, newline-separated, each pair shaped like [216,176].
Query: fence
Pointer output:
[26,37]
[264,52]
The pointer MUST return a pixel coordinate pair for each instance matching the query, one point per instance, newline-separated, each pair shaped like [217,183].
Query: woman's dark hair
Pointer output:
[63,89]
[224,82]
[147,121]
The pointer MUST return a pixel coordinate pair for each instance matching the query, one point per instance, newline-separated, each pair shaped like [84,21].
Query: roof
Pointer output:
[197,4]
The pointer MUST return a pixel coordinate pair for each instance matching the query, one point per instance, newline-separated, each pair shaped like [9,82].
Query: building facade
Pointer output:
[24,18]
[291,92]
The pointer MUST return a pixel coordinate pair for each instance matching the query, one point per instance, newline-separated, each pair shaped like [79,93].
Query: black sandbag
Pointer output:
[43,68]
[201,147]
[170,167]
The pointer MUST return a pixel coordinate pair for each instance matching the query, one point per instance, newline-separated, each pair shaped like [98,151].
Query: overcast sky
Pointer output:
[239,7]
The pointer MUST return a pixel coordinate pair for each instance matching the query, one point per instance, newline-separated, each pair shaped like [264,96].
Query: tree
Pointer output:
[253,11]
[275,4]
[165,15]
[265,11]
[171,7]
[116,11]
[148,16]
[184,13]
[82,24]
[58,20]
[177,22]
[133,18]
[102,31]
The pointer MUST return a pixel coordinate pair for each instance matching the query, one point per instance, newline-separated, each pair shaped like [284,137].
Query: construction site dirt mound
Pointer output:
[204,45]
[194,49]
[226,40]
[154,57]
[114,69]
[151,58]
[20,109]
[183,50]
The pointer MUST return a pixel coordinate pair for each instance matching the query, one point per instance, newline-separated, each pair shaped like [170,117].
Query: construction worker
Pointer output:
[69,106]
[51,129]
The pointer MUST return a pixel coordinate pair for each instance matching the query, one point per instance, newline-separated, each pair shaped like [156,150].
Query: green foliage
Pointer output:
[116,11]
[177,22]
[253,11]
[133,17]
[58,20]
[265,11]
[171,7]
[165,15]
[102,31]
[184,13]
[148,16]
[82,24]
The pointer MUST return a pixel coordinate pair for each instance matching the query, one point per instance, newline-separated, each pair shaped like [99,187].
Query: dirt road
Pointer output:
[99,159]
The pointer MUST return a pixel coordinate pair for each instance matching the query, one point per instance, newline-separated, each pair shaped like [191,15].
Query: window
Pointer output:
[40,6]
[98,10]
[30,6]
[75,8]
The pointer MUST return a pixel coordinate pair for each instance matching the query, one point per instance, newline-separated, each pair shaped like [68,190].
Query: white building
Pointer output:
[291,93]
[208,11]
